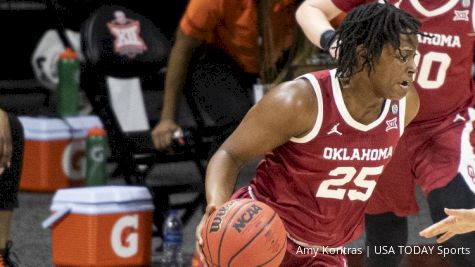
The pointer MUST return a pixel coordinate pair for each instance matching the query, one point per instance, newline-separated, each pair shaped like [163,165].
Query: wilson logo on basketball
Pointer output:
[125,238]
[216,224]
[247,217]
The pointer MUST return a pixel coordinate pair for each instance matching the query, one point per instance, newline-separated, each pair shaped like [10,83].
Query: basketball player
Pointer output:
[435,151]
[326,137]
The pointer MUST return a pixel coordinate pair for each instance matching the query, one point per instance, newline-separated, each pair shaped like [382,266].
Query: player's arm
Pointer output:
[314,17]
[459,221]
[288,110]
[412,105]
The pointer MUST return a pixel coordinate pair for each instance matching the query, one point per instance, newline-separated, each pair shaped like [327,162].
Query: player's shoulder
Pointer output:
[297,94]
[295,90]
[322,76]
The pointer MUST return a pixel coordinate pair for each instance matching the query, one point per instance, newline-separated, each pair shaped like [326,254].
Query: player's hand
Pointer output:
[459,221]
[199,240]
[5,142]
[162,134]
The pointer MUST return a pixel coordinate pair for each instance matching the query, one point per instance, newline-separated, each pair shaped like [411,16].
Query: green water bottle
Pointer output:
[68,85]
[96,157]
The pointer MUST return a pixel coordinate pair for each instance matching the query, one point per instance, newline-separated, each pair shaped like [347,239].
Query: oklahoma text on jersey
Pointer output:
[437,39]
[370,154]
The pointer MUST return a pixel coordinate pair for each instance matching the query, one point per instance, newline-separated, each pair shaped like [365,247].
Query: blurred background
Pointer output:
[23,25]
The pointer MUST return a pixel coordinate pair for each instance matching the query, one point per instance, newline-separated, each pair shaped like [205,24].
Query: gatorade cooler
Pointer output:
[54,155]
[101,226]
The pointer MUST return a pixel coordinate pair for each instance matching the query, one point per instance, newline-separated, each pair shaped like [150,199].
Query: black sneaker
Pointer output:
[5,258]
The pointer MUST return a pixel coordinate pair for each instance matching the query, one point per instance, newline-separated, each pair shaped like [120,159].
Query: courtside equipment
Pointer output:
[101,226]
[54,155]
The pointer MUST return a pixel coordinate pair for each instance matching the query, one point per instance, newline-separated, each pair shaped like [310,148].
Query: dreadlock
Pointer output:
[372,26]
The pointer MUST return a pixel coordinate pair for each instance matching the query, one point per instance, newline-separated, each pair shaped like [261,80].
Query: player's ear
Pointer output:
[361,55]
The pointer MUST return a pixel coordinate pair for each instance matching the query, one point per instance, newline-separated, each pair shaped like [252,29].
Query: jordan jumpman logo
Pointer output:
[334,130]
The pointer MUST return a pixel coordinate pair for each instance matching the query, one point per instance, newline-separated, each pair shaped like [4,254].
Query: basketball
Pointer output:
[244,232]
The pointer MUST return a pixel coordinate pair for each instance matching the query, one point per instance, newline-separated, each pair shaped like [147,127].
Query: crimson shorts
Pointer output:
[429,154]
[301,256]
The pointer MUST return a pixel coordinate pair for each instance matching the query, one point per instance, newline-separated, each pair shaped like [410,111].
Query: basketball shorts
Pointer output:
[10,179]
[429,154]
[297,255]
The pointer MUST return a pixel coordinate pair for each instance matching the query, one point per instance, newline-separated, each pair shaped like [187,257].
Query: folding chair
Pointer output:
[124,50]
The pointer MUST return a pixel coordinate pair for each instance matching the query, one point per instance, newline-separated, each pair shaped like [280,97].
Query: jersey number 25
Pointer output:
[332,188]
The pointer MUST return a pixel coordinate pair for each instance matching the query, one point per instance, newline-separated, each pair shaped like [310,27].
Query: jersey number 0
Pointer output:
[441,61]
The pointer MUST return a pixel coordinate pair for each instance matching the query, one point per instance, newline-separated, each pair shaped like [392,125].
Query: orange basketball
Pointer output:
[244,232]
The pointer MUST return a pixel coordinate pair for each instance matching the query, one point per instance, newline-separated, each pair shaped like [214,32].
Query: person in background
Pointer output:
[11,159]
[435,151]
[325,137]
[218,55]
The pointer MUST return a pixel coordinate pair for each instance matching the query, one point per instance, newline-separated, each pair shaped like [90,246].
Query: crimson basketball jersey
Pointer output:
[444,72]
[319,184]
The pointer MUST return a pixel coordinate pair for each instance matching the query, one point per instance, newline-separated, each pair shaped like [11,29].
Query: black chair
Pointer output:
[123,51]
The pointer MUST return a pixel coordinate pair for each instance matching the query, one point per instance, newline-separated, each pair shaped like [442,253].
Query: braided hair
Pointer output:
[372,26]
